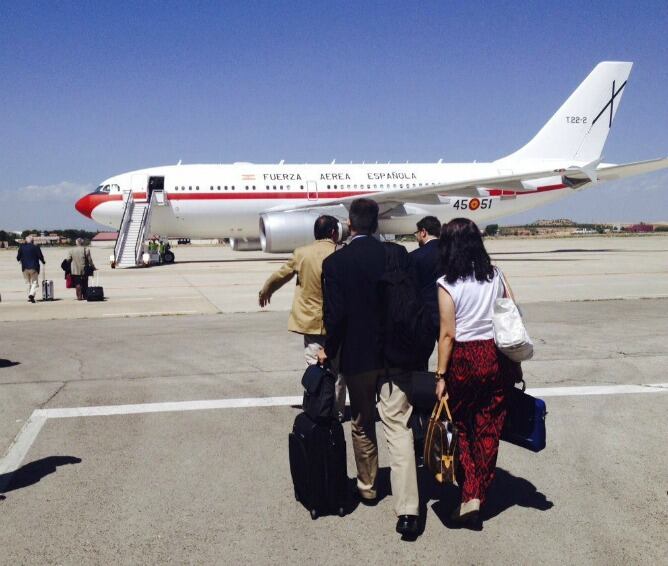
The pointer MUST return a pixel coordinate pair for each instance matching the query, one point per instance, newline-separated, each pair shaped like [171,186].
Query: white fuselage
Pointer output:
[225,201]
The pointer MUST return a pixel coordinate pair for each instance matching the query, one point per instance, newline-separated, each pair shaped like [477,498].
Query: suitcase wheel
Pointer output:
[314,514]
[342,512]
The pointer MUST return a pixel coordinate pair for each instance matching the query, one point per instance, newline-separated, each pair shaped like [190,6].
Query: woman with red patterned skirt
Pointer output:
[468,362]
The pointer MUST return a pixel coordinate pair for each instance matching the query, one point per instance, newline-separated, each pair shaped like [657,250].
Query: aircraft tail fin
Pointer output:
[580,127]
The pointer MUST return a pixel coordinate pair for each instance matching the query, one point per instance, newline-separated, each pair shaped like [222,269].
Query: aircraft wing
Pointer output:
[612,172]
[399,196]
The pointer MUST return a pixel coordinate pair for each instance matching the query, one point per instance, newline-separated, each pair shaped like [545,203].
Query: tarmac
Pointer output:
[152,428]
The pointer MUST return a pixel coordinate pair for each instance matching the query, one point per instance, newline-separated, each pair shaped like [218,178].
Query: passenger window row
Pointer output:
[288,187]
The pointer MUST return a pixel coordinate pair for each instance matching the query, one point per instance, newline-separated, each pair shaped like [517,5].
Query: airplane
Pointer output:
[273,207]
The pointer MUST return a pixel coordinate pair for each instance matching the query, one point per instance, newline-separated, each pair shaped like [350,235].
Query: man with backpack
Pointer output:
[354,314]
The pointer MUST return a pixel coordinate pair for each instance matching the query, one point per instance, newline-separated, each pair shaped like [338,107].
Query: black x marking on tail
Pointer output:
[610,103]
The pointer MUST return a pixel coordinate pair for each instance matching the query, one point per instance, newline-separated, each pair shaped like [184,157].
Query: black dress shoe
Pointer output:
[407,525]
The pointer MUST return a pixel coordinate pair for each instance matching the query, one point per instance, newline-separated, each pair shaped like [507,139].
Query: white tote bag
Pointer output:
[510,335]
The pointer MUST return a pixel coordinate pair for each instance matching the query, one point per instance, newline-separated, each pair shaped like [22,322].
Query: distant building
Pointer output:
[104,240]
[44,240]
[640,228]
[559,222]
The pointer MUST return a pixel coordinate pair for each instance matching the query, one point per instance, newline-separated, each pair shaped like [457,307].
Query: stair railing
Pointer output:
[143,229]
[123,228]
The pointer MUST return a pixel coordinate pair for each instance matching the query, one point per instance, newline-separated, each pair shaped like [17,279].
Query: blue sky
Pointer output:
[91,89]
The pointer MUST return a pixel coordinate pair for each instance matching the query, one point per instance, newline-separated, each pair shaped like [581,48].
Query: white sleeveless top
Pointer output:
[474,306]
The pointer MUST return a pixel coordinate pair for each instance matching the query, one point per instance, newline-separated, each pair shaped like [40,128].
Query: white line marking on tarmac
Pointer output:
[252,402]
[597,390]
[139,299]
[27,435]
[19,448]
[175,406]
[147,313]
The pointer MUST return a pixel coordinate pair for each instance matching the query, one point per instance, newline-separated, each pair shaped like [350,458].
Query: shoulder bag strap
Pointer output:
[506,295]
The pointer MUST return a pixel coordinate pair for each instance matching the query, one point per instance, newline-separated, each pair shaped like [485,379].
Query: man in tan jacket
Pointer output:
[306,313]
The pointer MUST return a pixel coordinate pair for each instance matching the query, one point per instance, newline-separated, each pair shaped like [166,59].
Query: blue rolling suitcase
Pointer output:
[525,420]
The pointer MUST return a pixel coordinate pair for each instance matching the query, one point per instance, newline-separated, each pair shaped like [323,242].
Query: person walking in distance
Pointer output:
[468,364]
[81,267]
[353,319]
[306,317]
[30,255]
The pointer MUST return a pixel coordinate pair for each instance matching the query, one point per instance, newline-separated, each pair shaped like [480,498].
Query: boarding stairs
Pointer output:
[132,232]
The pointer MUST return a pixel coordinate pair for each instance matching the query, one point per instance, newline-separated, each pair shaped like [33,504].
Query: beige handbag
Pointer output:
[440,445]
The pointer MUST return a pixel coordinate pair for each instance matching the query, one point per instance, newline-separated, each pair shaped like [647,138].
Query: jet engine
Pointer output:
[245,244]
[284,231]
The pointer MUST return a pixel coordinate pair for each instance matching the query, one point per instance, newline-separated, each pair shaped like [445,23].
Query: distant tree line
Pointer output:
[70,234]
[9,237]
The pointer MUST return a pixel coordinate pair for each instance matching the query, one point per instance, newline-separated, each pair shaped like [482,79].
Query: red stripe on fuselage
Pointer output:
[86,204]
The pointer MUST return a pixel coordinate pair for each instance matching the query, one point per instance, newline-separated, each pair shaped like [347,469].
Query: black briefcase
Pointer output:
[94,294]
[525,420]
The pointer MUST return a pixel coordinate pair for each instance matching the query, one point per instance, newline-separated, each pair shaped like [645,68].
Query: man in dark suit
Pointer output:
[424,265]
[30,255]
[353,314]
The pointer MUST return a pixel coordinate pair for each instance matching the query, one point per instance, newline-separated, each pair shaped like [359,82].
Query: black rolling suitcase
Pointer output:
[318,465]
[95,292]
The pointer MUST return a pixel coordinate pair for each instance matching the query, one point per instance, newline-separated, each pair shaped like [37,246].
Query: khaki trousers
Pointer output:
[312,345]
[31,277]
[395,409]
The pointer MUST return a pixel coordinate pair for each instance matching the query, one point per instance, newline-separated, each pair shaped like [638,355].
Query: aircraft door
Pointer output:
[311,190]
[156,185]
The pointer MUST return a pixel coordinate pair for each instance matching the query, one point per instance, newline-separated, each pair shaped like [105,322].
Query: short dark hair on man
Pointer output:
[431,224]
[323,227]
[364,216]
[463,252]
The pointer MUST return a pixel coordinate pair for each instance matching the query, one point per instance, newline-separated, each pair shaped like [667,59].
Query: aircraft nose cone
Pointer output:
[85,206]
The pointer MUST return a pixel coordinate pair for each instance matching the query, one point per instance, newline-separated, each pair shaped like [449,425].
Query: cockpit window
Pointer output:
[103,189]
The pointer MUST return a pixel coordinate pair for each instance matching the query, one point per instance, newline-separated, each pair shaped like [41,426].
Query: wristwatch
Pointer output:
[438,376]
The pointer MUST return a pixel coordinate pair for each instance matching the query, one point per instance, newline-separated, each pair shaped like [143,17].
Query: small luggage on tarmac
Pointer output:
[96,292]
[318,465]
[47,288]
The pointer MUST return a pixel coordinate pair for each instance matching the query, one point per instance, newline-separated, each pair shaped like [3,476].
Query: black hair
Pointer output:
[396,257]
[364,216]
[324,226]
[463,253]
[431,224]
